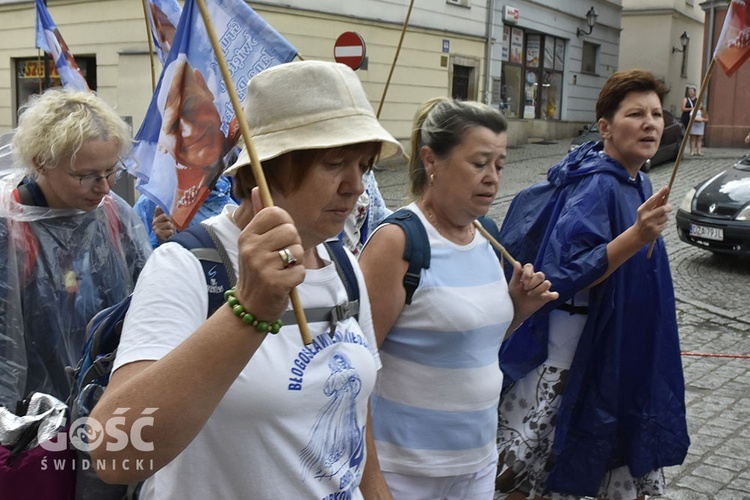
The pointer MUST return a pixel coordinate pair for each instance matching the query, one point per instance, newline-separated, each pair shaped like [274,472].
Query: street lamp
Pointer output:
[591,16]
[684,41]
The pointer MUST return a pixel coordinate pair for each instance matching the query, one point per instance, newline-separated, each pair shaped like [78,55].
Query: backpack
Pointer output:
[525,228]
[526,222]
[91,376]
[417,251]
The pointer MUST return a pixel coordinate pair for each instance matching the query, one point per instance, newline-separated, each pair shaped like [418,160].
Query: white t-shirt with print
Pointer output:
[293,423]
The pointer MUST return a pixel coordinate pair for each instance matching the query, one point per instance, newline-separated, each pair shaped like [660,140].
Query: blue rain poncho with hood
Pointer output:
[623,403]
[58,267]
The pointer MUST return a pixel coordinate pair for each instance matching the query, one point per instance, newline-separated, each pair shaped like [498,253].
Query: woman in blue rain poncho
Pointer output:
[597,406]
[69,247]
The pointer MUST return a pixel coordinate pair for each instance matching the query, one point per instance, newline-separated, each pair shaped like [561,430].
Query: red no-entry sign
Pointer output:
[349,49]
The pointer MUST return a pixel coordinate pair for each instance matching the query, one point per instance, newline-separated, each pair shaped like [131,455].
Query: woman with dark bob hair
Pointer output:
[602,410]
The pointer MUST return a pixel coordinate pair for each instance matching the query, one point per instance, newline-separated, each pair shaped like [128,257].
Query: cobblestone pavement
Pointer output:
[714,318]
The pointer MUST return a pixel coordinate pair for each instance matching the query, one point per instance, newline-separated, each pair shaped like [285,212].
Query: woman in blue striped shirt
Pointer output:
[434,407]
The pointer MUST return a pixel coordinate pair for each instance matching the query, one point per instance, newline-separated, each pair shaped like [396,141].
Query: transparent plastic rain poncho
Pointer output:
[58,267]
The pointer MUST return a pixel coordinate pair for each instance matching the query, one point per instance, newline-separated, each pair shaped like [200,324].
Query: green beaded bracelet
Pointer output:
[249,319]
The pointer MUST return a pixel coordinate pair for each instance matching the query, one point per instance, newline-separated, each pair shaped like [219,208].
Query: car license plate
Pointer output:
[709,233]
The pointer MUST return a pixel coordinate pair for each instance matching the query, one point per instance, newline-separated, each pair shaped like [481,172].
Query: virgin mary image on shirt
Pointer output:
[336,439]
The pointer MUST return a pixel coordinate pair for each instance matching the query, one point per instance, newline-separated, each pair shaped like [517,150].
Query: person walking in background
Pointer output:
[688,103]
[243,413]
[69,246]
[368,213]
[604,410]
[697,131]
[434,407]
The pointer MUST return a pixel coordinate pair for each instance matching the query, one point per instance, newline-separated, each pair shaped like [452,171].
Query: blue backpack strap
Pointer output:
[339,312]
[216,267]
[346,273]
[417,251]
[220,276]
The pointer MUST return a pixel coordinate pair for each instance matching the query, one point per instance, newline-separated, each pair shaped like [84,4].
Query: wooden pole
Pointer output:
[40,62]
[260,178]
[685,139]
[150,45]
[494,242]
[395,58]
[46,58]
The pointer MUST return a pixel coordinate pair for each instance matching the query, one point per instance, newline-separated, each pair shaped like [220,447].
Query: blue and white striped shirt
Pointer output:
[434,407]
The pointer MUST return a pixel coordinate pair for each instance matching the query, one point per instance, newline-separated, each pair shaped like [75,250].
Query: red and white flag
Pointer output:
[733,47]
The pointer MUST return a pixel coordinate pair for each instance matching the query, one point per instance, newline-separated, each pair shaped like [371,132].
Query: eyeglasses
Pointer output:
[90,180]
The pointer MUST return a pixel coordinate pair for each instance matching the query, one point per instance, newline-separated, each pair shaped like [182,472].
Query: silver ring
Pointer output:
[287,258]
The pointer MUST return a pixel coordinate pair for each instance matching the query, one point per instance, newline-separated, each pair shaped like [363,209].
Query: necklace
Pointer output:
[431,217]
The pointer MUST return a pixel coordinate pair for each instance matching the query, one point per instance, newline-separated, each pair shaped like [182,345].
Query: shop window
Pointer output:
[531,75]
[588,58]
[31,78]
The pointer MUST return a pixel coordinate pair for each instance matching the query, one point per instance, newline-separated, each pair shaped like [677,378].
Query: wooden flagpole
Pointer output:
[494,242]
[686,138]
[260,178]
[150,45]
[395,58]
[40,62]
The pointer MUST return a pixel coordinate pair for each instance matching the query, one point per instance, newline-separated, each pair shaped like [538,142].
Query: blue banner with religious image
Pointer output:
[163,17]
[190,128]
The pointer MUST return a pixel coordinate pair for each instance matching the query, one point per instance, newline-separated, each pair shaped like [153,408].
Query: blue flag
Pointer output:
[49,39]
[190,126]
[163,18]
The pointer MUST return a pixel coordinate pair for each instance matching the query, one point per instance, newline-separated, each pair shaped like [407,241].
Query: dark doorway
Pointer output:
[461,75]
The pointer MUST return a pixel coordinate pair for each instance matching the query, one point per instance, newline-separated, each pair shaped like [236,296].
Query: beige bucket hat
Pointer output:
[309,105]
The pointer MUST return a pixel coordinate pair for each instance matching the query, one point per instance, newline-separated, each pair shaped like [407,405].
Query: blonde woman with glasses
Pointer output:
[69,247]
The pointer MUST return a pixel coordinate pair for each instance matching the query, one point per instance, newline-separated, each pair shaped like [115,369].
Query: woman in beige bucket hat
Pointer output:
[242,413]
